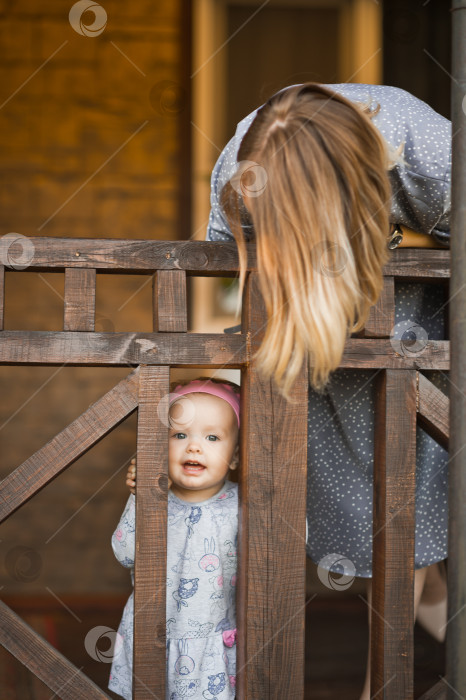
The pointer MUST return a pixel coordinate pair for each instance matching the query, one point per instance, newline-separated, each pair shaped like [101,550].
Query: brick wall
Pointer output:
[102,110]
[94,133]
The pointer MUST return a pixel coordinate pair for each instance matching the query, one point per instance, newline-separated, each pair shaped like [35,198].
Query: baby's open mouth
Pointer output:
[193,467]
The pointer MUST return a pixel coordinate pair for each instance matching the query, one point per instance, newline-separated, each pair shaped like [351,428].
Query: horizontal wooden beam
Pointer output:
[45,662]
[196,257]
[123,349]
[379,353]
[191,350]
[134,256]
[434,411]
[419,263]
[66,447]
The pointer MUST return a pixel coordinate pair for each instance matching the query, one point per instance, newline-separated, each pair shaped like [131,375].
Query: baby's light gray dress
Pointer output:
[201,585]
[341,420]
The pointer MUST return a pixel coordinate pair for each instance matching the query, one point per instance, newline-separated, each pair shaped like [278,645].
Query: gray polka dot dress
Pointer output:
[341,419]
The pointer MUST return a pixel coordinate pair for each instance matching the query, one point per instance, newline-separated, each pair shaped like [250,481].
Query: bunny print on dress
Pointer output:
[210,561]
[183,565]
[184,664]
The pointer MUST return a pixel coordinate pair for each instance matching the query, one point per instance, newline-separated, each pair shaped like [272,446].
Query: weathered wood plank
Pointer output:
[169,301]
[193,349]
[393,527]
[134,256]
[382,316]
[65,448]
[367,353]
[419,263]
[122,349]
[456,629]
[151,537]
[44,661]
[79,309]
[196,257]
[271,592]
[2,295]
[434,411]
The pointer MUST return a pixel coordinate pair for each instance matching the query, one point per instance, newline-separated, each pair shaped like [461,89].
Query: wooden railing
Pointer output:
[271,594]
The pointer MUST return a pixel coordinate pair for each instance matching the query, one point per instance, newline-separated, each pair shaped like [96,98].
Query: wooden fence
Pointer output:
[271,594]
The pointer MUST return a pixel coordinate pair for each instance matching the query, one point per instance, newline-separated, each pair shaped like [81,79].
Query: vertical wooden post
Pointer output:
[2,295]
[151,538]
[456,628]
[79,311]
[394,523]
[271,591]
[170,312]
[381,317]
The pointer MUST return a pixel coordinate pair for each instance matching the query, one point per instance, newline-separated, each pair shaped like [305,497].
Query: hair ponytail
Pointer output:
[320,223]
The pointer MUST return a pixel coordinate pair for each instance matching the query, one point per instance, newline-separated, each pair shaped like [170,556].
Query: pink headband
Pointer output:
[201,386]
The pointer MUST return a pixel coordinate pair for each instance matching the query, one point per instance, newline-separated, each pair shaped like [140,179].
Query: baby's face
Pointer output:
[202,445]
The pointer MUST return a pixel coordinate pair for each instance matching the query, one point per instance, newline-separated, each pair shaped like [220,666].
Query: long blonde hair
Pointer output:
[313,172]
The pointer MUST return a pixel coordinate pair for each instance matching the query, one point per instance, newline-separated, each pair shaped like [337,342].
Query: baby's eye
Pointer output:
[179,436]
[212,438]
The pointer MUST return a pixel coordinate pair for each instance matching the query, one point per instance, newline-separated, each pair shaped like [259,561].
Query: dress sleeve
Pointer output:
[421,181]
[123,539]
[218,228]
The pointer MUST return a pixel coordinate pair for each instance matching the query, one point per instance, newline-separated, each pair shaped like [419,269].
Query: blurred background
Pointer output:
[111,119]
